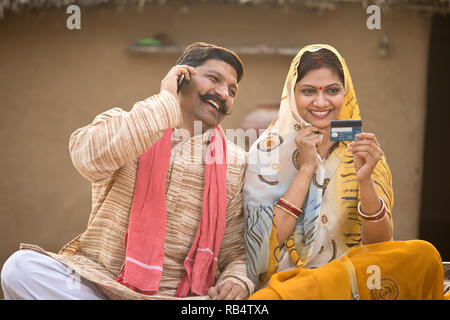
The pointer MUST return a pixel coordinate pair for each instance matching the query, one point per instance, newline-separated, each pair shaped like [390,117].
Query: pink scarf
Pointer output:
[144,239]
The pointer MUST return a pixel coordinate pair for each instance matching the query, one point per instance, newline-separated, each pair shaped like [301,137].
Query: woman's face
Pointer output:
[319,96]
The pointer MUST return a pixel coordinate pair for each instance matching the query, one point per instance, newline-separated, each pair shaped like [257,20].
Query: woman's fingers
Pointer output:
[312,140]
[307,142]
[367,136]
[367,152]
[372,145]
[363,150]
[310,130]
[309,134]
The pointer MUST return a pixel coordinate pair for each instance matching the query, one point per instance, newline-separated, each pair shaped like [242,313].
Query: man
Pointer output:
[160,212]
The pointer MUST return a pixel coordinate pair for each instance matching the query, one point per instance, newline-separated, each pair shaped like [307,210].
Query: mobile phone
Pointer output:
[181,82]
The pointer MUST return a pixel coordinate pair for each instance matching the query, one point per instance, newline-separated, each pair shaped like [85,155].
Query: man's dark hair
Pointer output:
[316,60]
[198,53]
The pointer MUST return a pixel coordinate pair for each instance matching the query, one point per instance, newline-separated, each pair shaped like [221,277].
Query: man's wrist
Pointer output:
[171,94]
[172,109]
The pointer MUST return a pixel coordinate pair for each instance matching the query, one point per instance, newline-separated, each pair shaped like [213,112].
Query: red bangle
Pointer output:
[289,207]
[373,218]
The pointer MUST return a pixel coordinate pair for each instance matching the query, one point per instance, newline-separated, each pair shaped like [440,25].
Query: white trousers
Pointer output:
[30,275]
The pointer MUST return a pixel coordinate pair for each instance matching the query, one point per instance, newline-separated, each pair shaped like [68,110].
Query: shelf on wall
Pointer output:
[251,50]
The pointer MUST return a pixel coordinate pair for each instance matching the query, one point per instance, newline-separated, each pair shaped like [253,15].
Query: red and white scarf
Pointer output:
[144,239]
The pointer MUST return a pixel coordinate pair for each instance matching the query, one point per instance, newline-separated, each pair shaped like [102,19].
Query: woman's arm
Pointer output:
[296,195]
[367,153]
[307,142]
[379,230]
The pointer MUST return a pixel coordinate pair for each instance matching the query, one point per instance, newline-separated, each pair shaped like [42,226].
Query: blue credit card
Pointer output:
[344,130]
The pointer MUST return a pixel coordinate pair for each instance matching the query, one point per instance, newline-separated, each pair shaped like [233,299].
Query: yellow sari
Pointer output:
[407,270]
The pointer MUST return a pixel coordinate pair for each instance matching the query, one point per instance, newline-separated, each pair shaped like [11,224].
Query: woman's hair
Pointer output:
[322,58]
[199,52]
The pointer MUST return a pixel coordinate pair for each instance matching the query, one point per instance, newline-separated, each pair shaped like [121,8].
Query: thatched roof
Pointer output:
[436,6]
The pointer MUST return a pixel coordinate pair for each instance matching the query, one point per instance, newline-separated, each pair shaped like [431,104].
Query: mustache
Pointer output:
[214,97]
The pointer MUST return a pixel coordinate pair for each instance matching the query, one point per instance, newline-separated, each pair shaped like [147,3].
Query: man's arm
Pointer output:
[233,282]
[116,137]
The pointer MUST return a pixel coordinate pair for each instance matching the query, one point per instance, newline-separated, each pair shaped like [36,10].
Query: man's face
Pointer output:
[210,93]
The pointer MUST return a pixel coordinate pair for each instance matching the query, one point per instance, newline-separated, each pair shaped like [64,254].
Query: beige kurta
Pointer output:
[106,153]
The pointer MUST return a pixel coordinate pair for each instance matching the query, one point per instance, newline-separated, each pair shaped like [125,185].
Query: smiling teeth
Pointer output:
[322,113]
[214,104]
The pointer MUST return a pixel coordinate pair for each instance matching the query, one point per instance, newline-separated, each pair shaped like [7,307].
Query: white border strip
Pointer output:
[143,265]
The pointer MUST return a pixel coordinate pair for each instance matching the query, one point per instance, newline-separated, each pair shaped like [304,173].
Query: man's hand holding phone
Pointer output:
[175,78]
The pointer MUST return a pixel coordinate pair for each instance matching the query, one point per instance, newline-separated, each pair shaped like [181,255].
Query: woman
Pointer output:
[309,200]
